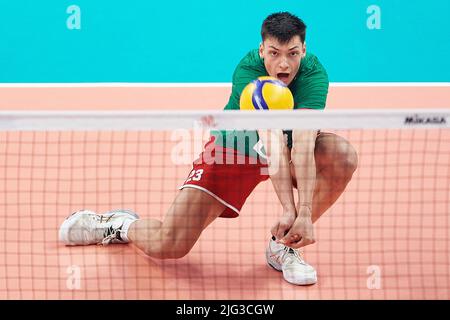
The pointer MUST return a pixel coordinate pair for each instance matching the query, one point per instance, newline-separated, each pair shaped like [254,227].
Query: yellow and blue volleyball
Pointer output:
[266,93]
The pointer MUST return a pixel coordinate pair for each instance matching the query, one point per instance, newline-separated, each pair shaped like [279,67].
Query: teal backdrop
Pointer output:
[203,40]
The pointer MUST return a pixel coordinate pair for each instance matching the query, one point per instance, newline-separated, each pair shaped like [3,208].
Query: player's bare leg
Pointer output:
[190,213]
[336,161]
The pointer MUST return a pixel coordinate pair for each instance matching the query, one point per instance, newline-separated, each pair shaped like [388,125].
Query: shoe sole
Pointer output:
[70,221]
[304,282]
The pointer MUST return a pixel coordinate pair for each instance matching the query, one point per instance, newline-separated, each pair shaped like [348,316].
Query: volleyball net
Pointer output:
[386,237]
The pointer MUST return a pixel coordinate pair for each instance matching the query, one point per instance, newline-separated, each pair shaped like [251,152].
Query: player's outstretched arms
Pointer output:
[302,155]
[278,164]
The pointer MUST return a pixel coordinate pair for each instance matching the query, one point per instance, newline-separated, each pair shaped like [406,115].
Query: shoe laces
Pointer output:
[110,233]
[294,254]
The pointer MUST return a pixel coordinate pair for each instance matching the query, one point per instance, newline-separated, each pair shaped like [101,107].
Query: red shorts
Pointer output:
[226,175]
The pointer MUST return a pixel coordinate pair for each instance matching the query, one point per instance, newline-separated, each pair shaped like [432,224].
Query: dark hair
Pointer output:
[283,26]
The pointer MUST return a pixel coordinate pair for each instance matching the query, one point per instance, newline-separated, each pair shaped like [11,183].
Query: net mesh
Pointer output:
[386,237]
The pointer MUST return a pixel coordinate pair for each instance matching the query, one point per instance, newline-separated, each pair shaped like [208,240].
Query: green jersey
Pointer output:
[309,89]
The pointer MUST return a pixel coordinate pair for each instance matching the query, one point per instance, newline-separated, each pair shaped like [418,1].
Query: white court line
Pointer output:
[206,85]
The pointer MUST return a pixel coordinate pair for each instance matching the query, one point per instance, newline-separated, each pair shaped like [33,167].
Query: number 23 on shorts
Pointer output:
[195,175]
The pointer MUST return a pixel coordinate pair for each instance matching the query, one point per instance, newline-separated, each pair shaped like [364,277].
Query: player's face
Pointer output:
[282,60]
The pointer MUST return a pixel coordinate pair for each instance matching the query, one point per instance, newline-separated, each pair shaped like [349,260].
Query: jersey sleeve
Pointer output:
[311,89]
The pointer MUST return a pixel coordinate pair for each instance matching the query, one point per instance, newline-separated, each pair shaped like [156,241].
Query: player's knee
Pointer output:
[169,250]
[180,250]
[339,160]
[348,159]
[175,245]
[176,250]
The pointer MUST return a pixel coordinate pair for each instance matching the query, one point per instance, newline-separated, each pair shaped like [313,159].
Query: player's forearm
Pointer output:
[282,181]
[278,165]
[302,156]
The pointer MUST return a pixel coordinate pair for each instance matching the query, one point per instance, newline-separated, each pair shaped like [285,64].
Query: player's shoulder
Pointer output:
[250,67]
[310,86]
[310,63]
[311,71]
[251,61]
[251,57]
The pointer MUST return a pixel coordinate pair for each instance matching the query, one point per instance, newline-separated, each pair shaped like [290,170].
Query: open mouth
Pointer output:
[283,76]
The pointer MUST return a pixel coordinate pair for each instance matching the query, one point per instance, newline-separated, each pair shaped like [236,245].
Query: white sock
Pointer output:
[124,230]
